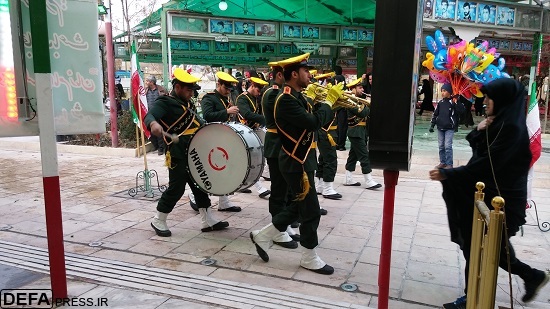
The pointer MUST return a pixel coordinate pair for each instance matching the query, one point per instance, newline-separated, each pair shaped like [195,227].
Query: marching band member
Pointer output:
[327,160]
[175,114]
[272,146]
[296,123]
[216,107]
[358,137]
[249,115]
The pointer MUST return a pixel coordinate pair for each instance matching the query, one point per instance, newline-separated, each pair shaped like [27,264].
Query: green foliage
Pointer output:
[126,127]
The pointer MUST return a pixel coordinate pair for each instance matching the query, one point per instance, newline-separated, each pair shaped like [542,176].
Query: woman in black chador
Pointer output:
[500,145]
[427,104]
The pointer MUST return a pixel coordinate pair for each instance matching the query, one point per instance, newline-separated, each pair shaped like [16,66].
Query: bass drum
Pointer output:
[225,157]
[261,133]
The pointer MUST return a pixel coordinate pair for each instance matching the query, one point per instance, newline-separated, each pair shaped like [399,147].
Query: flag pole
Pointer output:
[138,154]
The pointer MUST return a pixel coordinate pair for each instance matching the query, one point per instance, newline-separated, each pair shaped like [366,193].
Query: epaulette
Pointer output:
[211,92]
[275,87]
[287,90]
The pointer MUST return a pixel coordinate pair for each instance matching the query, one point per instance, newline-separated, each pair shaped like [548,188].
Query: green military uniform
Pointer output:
[358,137]
[248,111]
[272,148]
[175,117]
[214,107]
[328,160]
[296,123]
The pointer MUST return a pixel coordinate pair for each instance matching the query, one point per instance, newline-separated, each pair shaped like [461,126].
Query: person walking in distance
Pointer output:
[152,92]
[168,113]
[446,116]
[358,137]
[297,122]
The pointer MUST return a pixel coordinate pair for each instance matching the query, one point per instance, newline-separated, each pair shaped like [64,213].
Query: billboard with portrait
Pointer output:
[517,46]
[445,9]
[222,46]
[505,16]
[221,26]
[285,49]
[310,32]
[244,28]
[178,44]
[199,45]
[267,48]
[349,34]
[186,24]
[291,31]
[237,47]
[466,11]
[486,13]
[253,48]
[428,9]
[527,18]
[265,30]
[366,35]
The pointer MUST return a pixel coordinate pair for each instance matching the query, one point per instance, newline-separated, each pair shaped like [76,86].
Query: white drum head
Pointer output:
[218,159]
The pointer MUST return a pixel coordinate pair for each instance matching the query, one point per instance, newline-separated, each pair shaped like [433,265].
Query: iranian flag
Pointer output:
[533,127]
[139,101]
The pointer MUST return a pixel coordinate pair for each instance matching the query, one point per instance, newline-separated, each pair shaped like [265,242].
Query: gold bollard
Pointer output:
[484,252]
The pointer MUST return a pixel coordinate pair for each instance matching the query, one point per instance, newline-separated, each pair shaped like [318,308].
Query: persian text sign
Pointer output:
[77,83]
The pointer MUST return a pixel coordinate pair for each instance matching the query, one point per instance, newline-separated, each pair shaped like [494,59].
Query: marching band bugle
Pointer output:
[348,99]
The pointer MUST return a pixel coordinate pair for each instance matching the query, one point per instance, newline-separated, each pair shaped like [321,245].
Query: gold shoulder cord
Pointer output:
[503,208]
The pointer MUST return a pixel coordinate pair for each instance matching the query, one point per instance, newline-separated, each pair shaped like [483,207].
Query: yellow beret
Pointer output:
[258,81]
[298,61]
[354,83]
[325,75]
[274,64]
[226,77]
[184,77]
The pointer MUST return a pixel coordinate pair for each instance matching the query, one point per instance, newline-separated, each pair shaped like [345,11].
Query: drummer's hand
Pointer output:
[156,129]
[233,110]
[436,175]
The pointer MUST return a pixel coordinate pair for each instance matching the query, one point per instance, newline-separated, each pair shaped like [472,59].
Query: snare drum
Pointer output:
[261,133]
[225,157]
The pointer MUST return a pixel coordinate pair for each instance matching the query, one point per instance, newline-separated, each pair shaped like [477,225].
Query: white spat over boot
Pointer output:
[292,233]
[160,226]
[370,183]
[348,180]
[209,223]
[284,240]
[262,191]
[192,202]
[263,239]
[226,205]
[329,192]
[310,260]
[319,183]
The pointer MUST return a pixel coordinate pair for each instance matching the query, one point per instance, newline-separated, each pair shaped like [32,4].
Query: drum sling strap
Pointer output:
[184,128]
[301,145]
[241,118]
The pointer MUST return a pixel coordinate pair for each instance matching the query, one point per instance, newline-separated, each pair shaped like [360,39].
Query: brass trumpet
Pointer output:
[348,100]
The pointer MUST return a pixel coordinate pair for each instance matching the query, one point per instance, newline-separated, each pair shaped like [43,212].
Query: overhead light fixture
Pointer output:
[101,9]
[223,5]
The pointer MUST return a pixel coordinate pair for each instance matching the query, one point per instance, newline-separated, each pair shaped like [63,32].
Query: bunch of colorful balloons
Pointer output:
[463,65]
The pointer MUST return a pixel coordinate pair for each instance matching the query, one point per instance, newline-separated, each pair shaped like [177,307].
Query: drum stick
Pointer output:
[174,137]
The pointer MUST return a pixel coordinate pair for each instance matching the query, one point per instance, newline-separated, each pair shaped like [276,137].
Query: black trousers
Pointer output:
[358,152]
[342,120]
[517,267]
[308,210]
[279,188]
[327,163]
[178,177]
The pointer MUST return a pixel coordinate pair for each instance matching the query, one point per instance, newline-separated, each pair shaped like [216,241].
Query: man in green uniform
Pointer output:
[296,123]
[272,146]
[249,115]
[216,107]
[174,114]
[327,160]
[358,137]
